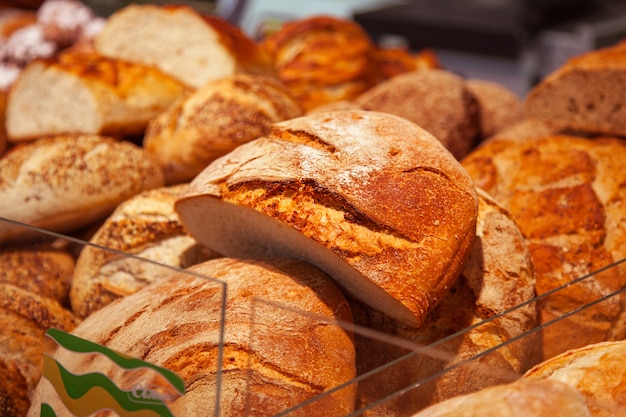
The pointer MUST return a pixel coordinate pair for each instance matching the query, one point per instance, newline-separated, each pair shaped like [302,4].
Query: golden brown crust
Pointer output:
[565,193]
[497,276]
[145,226]
[323,59]
[380,194]
[215,119]
[281,340]
[397,60]
[596,370]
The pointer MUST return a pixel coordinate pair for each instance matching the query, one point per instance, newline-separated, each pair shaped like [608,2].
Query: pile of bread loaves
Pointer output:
[311,224]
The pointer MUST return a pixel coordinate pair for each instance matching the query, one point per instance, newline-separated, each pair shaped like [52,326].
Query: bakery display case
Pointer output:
[321,224]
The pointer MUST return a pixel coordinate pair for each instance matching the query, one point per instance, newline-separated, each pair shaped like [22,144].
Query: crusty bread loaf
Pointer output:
[498,107]
[566,195]
[596,370]
[282,342]
[586,94]
[522,130]
[437,100]
[45,272]
[181,42]
[397,60]
[86,93]
[370,198]
[215,119]
[477,319]
[323,59]
[24,319]
[145,226]
[66,182]
[521,398]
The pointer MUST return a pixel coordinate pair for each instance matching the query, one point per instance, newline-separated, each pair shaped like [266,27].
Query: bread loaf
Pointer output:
[596,370]
[181,42]
[477,321]
[584,95]
[370,198]
[66,182]
[282,343]
[45,272]
[498,107]
[86,93]
[24,319]
[522,398]
[145,226]
[437,100]
[566,195]
[322,59]
[214,120]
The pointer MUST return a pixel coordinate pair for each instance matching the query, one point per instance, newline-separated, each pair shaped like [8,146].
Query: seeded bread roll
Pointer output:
[370,198]
[522,398]
[566,195]
[24,319]
[146,226]
[479,310]
[585,95]
[86,93]
[596,370]
[215,119]
[437,100]
[66,182]
[181,42]
[323,59]
[282,342]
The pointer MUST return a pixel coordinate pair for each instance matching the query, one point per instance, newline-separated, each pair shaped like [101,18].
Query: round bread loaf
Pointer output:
[370,198]
[322,59]
[278,336]
[596,370]
[478,321]
[566,194]
[522,398]
[63,183]
[215,119]
[24,319]
[437,100]
[182,42]
[145,226]
[498,107]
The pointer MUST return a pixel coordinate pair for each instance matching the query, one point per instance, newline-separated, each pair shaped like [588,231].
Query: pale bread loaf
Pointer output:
[282,343]
[370,198]
[498,107]
[66,182]
[477,316]
[86,93]
[566,195]
[214,120]
[586,94]
[145,226]
[436,99]
[596,370]
[522,398]
[181,42]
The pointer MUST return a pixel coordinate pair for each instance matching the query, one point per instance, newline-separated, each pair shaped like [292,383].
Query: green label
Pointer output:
[92,390]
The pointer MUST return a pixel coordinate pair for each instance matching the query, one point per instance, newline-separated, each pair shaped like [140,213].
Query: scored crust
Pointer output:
[370,198]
